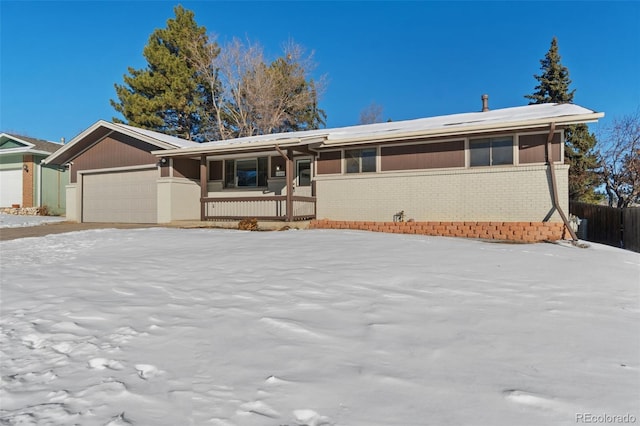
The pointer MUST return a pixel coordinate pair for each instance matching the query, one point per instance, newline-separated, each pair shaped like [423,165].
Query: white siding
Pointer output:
[10,187]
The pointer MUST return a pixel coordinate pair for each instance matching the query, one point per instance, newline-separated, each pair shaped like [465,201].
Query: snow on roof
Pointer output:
[445,124]
[172,140]
[487,118]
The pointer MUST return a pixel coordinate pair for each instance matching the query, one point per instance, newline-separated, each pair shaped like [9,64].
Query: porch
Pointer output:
[269,184]
[266,208]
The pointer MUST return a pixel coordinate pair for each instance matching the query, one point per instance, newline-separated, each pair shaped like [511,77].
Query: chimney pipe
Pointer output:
[62,140]
[485,103]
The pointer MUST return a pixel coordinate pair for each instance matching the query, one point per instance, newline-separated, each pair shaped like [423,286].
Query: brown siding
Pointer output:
[329,162]
[532,148]
[116,150]
[277,160]
[183,167]
[423,156]
[164,169]
[215,170]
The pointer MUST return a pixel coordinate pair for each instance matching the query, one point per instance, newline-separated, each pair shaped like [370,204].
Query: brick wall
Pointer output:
[502,231]
[490,194]
[28,181]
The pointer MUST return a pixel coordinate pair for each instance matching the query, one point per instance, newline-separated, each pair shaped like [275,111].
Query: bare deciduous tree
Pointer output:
[371,114]
[620,161]
[250,97]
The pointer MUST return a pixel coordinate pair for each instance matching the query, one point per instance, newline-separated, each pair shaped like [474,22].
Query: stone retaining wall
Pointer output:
[27,211]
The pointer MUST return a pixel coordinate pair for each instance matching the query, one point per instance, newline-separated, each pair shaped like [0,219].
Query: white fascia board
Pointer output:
[226,148]
[459,130]
[140,136]
[75,140]
[114,128]
[20,150]
[244,146]
[13,138]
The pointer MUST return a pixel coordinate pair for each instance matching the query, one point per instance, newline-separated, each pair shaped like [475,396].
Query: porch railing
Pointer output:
[263,208]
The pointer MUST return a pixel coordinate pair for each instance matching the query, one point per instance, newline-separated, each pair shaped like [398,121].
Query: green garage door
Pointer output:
[121,197]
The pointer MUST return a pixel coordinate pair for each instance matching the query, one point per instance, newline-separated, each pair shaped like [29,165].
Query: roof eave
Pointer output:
[114,128]
[454,130]
[226,149]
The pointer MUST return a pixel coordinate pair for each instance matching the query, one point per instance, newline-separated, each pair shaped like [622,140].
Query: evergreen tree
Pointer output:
[580,154]
[553,87]
[554,81]
[168,95]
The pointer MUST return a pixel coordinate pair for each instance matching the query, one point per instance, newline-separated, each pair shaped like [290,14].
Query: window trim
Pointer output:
[235,173]
[514,152]
[359,172]
[308,160]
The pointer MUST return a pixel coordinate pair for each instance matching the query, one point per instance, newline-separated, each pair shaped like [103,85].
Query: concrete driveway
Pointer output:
[60,228]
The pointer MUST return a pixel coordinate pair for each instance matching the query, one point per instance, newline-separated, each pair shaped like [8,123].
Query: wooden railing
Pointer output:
[272,207]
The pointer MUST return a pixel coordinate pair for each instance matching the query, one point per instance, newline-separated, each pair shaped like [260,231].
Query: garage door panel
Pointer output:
[127,196]
[10,187]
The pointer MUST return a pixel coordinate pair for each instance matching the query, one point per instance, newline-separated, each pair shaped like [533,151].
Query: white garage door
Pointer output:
[10,187]
[122,197]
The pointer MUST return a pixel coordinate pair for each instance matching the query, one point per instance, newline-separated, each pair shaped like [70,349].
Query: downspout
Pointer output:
[39,185]
[554,185]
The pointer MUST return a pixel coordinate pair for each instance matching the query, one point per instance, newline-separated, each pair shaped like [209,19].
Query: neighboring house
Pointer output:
[480,169]
[24,182]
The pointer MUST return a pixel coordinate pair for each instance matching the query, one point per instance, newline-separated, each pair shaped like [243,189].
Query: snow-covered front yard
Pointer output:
[213,327]
[19,221]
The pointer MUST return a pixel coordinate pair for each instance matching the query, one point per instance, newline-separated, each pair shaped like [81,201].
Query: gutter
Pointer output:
[240,147]
[456,129]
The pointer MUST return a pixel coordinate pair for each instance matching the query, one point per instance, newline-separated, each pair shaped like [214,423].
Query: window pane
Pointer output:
[246,172]
[229,174]
[480,153]
[501,151]
[352,160]
[368,158]
[262,171]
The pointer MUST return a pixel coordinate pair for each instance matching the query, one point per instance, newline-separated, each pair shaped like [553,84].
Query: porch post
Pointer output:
[203,185]
[289,171]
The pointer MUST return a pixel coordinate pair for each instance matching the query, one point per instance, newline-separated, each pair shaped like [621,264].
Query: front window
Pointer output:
[360,160]
[491,151]
[246,173]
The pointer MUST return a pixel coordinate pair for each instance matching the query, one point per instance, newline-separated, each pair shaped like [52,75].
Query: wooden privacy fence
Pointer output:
[610,225]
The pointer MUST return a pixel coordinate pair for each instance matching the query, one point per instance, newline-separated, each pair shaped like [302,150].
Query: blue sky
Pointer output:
[60,60]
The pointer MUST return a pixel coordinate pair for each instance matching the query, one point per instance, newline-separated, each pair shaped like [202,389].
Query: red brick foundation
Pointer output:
[505,231]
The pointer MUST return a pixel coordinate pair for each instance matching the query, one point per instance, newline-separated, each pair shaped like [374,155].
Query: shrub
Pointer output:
[248,224]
